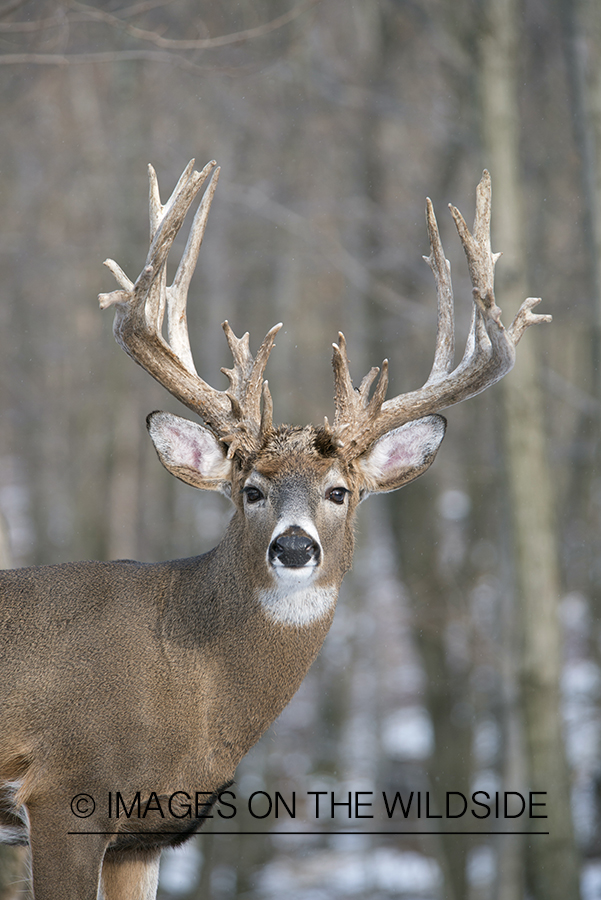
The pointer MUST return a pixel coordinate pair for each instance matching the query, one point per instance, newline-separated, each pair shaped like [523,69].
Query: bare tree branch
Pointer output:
[9,7]
[353,270]
[201,44]
[136,8]
[58,59]
[37,25]
[60,15]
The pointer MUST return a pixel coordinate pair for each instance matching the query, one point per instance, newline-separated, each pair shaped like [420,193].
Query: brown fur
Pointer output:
[124,676]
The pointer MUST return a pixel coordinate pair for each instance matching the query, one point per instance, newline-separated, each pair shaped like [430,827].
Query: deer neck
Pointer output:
[248,647]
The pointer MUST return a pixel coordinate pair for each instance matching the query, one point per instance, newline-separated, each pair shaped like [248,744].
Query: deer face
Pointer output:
[300,514]
[298,499]
[296,496]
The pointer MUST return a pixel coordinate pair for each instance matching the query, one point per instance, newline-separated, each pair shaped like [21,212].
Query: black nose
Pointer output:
[294,548]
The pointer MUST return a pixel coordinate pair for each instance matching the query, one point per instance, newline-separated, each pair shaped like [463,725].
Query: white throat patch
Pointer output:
[299,605]
[14,833]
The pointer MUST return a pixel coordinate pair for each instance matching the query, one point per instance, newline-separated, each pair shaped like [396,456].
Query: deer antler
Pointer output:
[488,356]
[233,415]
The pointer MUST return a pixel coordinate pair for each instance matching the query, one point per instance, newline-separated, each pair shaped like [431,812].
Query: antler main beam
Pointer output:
[234,415]
[489,353]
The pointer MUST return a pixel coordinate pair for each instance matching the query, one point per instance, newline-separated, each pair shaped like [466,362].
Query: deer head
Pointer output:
[298,487]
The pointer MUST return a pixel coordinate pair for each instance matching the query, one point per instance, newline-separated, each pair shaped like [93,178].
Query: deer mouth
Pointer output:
[293,548]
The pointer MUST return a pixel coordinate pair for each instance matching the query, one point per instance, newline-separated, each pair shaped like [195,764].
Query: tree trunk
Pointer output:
[552,865]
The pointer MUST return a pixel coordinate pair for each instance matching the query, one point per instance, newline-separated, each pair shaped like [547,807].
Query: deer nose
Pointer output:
[293,549]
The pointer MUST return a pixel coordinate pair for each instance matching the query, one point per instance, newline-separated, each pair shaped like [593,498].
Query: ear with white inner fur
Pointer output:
[401,455]
[190,452]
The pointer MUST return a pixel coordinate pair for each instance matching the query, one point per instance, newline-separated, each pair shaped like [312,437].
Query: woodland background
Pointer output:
[466,648]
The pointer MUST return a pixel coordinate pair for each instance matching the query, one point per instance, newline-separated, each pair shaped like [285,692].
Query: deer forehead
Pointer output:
[296,454]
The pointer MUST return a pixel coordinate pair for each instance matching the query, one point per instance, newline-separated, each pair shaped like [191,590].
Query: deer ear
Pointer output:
[401,455]
[190,452]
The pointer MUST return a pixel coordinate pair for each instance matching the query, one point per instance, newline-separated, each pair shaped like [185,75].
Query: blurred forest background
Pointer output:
[466,649]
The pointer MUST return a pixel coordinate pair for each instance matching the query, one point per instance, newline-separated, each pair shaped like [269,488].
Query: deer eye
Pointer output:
[336,495]
[253,494]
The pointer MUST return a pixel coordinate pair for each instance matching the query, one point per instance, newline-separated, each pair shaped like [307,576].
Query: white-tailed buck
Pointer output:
[151,680]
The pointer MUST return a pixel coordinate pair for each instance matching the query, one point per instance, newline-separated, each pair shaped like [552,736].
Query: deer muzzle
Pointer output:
[294,549]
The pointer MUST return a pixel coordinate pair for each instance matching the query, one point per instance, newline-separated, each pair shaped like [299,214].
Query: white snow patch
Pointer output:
[408,733]
[180,868]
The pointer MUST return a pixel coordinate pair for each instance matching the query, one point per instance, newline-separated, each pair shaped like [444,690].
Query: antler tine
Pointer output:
[481,260]
[343,385]
[267,345]
[177,294]
[267,413]
[524,319]
[233,415]
[489,352]
[174,298]
[445,330]
[355,413]
[157,294]
[170,217]
[246,380]
[348,398]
